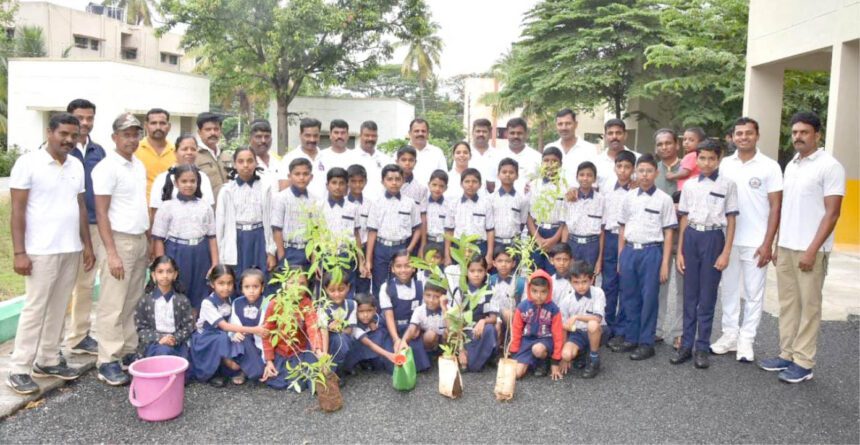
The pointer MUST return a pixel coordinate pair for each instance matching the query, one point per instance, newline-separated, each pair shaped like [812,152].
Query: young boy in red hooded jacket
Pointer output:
[537,329]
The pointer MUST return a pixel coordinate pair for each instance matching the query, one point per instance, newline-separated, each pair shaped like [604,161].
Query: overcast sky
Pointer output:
[475,32]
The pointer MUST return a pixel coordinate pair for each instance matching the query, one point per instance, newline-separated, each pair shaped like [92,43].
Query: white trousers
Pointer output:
[742,276]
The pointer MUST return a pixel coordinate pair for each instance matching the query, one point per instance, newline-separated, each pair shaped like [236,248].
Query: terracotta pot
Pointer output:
[506,379]
[329,396]
[450,381]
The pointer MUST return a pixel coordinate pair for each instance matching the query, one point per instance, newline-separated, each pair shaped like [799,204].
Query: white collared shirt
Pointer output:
[472,217]
[430,158]
[125,182]
[708,200]
[585,215]
[529,161]
[317,184]
[52,214]
[581,151]
[645,215]
[373,164]
[487,163]
[331,159]
[755,179]
[165,321]
[807,182]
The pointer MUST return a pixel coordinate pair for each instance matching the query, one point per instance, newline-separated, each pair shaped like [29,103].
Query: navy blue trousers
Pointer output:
[701,281]
[585,252]
[614,314]
[382,264]
[640,290]
[540,257]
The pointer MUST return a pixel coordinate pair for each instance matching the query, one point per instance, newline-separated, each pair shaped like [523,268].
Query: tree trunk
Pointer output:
[423,105]
[283,143]
[617,101]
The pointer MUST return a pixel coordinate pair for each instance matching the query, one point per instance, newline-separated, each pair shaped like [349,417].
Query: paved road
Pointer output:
[629,402]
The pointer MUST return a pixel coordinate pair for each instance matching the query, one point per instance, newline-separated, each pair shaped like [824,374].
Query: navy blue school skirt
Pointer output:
[194,263]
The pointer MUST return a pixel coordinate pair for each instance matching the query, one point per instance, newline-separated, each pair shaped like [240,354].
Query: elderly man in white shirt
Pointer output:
[574,149]
[119,183]
[529,159]
[49,230]
[430,157]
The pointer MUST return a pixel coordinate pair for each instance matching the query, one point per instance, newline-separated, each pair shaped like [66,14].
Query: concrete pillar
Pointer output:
[763,102]
[843,134]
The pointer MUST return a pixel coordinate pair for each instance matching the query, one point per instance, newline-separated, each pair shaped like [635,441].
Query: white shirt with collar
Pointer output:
[529,161]
[81,147]
[807,182]
[331,159]
[606,168]
[373,164]
[125,182]
[430,159]
[317,185]
[581,151]
[755,179]
[155,200]
[487,163]
[52,214]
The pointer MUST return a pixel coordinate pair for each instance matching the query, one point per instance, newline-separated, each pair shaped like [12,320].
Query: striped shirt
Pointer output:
[185,219]
[439,216]
[556,211]
[363,209]
[707,200]
[248,201]
[472,216]
[289,211]
[341,217]
[645,214]
[612,202]
[417,191]
[510,212]
[592,303]
[585,215]
[394,217]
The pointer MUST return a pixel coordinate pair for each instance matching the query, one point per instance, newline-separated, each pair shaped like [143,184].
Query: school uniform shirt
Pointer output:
[248,201]
[417,191]
[394,217]
[807,182]
[289,211]
[184,218]
[510,212]
[341,216]
[125,182]
[585,215]
[245,313]
[160,314]
[373,164]
[317,184]
[755,179]
[557,212]
[427,320]
[429,159]
[363,210]
[504,290]
[405,292]
[52,216]
[708,200]
[472,216]
[158,188]
[645,214]
[612,203]
[606,167]
[529,161]
[439,217]
[560,287]
[345,311]
[581,151]
[360,329]
[212,314]
[592,303]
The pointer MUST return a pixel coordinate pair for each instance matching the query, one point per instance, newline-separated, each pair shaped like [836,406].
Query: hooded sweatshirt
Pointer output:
[533,320]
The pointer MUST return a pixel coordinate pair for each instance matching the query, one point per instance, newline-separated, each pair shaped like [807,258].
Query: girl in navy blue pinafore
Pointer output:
[184,229]
[247,311]
[338,317]
[483,338]
[398,298]
[242,224]
[211,355]
[370,338]
[163,317]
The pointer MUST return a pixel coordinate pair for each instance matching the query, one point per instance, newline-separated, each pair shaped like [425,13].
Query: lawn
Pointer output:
[11,284]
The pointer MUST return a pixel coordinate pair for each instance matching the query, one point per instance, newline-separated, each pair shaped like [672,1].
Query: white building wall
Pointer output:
[38,87]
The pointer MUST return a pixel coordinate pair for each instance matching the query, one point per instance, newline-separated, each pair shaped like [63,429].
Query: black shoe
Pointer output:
[112,374]
[60,371]
[61,359]
[625,346]
[128,359]
[592,369]
[218,381]
[86,346]
[702,361]
[22,384]
[542,369]
[615,341]
[579,361]
[642,352]
[683,355]
[658,339]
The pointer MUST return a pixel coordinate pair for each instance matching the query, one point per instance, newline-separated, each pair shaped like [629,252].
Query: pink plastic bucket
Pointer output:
[158,387]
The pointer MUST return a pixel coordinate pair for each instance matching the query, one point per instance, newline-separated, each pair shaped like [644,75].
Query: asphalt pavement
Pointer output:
[629,402]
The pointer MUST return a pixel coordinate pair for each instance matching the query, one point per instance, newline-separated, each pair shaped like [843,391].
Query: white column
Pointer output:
[763,102]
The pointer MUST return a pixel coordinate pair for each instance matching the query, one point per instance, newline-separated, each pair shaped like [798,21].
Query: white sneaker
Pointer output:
[726,343]
[745,351]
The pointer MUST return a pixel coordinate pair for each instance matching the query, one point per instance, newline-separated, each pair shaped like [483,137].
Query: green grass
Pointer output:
[11,284]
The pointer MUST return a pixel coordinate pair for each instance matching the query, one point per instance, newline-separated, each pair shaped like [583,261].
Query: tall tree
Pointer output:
[137,12]
[424,48]
[278,46]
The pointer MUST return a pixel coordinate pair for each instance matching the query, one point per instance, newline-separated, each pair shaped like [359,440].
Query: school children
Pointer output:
[398,298]
[428,320]
[510,206]
[472,215]
[483,338]
[290,209]
[507,289]
[370,335]
[583,230]
[537,329]
[614,198]
[211,354]
[247,312]
[186,153]
[243,225]
[341,215]
[357,177]
[582,313]
[184,229]
[163,317]
[644,243]
[406,159]
[433,255]
[560,257]
[546,208]
[337,317]
[709,205]
[393,224]
[439,211]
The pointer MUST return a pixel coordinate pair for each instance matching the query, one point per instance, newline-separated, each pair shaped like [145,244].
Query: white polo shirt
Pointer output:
[317,184]
[606,169]
[125,182]
[53,214]
[331,159]
[581,151]
[487,163]
[755,179]
[430,159]
[529,161]
[807,182]
[373,164]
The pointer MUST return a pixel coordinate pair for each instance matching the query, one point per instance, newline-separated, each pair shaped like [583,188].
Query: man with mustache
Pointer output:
[372,159]
[430,157]
[574,149]
[814,184]
[268,160]
[529,159]
[211,160]
[47,251]
[90,154]
[615,136]
[338,154]
[309,134]
[155,151]
[484,157]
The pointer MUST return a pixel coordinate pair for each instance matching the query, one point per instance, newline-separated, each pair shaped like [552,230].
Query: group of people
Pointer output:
[613,230]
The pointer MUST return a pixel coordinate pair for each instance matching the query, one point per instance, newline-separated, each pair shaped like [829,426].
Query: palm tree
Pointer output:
[425,49]
[136,11]
[30,42]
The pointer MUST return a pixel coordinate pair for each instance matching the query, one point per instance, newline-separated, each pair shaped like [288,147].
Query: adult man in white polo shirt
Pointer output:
[575,150]
[484,157]
[49,230]
[309,134]
[529,159]
[430,157]
[615,137]
[759,181]
[372,159]
[814,186]
[119,183]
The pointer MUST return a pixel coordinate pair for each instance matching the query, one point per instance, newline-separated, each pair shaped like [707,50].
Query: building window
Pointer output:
[81,42]
[94,44]
[129,54]
[168,58]
[10,33]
